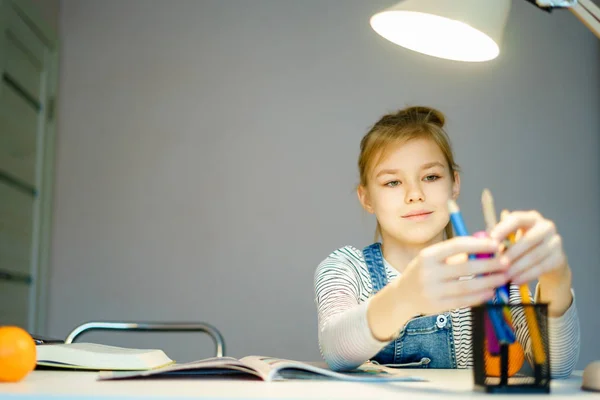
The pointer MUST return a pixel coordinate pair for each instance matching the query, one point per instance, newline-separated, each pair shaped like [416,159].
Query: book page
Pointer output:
[209,366]
[94,348]
[282,369]
[96,357]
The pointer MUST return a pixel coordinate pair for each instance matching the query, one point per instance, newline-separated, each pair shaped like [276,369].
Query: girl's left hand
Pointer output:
[538,254]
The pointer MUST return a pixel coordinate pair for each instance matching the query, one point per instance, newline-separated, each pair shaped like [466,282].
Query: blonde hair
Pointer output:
[410,123]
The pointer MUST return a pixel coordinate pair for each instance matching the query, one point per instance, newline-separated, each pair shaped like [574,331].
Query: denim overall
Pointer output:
[424,342]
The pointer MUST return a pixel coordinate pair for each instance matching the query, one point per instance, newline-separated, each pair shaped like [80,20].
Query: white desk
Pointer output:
[83,385]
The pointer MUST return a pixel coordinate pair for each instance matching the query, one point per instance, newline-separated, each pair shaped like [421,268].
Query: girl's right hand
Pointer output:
[433,284]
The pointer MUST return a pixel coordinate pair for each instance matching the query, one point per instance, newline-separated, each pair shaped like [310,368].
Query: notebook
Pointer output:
[97,357]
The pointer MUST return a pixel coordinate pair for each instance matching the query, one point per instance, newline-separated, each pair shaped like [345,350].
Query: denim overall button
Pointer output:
[441,321]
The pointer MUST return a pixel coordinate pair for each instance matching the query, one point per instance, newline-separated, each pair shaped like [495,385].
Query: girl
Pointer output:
[389,302]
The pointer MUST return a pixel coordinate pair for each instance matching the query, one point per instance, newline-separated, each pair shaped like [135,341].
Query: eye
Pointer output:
[392,183]
[431,178]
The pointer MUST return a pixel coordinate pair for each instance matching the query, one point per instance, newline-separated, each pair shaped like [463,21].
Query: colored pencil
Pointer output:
[539,355]
[503,334]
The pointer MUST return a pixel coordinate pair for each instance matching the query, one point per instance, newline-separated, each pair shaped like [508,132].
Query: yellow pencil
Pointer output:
[539,355]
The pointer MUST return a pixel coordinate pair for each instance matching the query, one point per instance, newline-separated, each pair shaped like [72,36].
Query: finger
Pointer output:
[506,242]
[532,238]
[474,267]
[478,284]
[547,265]
[514,221]
[546,248]
[519,234]
[469,300]
[457,259]
[463,244]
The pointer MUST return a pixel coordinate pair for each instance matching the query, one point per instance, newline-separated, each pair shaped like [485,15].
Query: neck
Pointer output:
[399,253]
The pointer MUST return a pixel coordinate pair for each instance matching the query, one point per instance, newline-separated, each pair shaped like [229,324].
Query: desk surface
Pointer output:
[83,385]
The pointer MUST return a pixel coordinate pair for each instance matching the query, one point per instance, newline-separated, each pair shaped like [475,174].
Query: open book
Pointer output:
[98,357]
[267,369]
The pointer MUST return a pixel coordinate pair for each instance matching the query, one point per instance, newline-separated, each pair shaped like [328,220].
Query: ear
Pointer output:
[363,197]
[456,186]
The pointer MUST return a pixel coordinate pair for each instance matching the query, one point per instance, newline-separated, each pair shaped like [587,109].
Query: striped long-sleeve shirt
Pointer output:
[343,288]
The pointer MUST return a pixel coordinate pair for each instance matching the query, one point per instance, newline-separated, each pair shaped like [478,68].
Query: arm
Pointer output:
[345,339]
[563,330]
[354,327]
[538,254]
[563,335]
[556,291]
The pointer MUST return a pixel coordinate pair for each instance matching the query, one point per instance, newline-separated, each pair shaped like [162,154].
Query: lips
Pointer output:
[417,214]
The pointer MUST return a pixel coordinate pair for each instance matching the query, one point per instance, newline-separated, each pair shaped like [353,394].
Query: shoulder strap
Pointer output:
[374,260]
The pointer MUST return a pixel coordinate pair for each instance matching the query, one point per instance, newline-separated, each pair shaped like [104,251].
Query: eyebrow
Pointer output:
[432,164]
[395,171]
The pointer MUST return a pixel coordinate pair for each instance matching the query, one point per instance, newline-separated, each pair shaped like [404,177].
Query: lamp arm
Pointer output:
[585,10]
[589,14]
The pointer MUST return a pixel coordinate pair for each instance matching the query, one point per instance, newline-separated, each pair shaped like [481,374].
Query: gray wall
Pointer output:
[207,156]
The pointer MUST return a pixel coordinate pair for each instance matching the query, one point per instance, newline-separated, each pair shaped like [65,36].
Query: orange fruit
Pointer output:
[17,354]
[516,358]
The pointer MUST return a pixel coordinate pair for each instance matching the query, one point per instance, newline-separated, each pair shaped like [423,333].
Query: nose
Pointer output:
[414,194]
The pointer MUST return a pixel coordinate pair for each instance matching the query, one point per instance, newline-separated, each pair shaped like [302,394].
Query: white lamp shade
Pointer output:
[463,30]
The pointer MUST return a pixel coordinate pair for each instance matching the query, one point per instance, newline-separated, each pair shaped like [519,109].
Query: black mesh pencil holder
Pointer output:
[497,362]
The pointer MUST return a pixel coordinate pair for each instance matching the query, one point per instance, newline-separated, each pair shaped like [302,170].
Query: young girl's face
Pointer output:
[408,191]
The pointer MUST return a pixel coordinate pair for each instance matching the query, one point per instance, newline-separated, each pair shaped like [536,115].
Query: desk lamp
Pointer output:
[470,30]
[463,30]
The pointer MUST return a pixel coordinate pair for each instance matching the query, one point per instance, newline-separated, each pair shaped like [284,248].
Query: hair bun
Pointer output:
[425,115]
